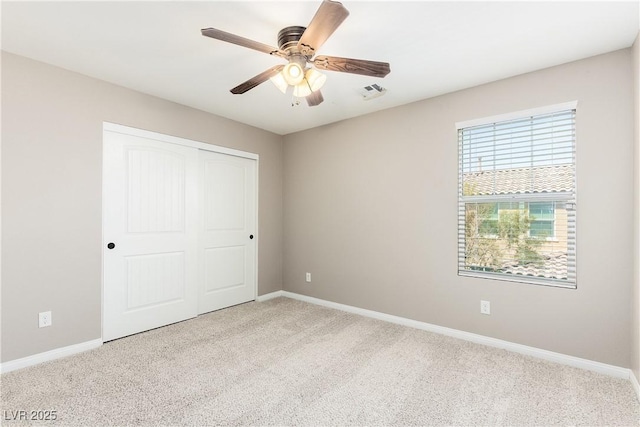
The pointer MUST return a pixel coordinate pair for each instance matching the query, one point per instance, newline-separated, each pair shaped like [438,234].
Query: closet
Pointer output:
[179,229]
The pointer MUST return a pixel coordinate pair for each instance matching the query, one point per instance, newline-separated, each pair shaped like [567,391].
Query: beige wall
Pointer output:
[370,210]
[635,330]
[51,195]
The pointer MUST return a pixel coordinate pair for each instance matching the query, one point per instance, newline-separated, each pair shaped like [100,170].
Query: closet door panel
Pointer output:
[227,231]
[150,234]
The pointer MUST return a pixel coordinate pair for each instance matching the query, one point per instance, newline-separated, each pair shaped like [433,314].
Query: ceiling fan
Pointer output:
[298,46]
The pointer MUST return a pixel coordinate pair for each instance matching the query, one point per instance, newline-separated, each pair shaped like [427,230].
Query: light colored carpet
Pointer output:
[286,362]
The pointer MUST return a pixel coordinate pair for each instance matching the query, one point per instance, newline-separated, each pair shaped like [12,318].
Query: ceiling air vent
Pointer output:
[372,91]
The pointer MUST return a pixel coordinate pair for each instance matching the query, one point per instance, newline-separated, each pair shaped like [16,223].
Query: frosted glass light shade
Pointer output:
[293,73]
[280,82]
[302,90]
[315,79]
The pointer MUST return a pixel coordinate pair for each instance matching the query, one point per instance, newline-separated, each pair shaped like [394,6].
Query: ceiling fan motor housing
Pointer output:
[288,38]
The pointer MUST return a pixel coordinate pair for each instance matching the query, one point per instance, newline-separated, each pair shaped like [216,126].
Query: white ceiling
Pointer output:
[433,48]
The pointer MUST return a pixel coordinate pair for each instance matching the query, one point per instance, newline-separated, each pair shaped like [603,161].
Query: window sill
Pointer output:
[517,278]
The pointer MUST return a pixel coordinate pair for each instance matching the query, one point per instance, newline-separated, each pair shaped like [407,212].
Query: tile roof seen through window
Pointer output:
[539,179]
[553,265]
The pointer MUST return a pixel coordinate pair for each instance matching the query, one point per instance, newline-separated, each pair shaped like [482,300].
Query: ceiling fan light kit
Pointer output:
[298,45]
[301,91]
[280,82]
[315,79]
[293,73]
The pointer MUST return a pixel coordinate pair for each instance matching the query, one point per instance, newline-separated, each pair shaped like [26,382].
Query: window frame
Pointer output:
[568,198]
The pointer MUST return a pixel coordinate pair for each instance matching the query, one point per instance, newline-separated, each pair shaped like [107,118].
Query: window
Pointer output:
[542,216]
[516,197]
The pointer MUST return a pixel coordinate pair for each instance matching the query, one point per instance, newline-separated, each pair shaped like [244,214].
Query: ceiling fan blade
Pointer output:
[315,98]
[240,41]
[255,81]
[327,19]
[353,66]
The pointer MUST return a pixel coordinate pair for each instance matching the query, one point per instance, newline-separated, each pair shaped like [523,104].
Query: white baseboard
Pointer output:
[267,297]
[57,353]
[603,368]
[634,383]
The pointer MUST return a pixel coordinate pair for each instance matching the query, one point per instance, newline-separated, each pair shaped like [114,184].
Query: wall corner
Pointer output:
[635,327]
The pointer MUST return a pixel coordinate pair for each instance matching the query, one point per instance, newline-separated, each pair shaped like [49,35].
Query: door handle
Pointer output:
[111,245]
[251,236]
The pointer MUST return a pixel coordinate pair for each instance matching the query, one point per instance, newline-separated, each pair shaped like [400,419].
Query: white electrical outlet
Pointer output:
[44,319]
[485,307]
[308,278]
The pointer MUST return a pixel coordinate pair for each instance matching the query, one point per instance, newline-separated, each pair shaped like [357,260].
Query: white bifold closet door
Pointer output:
[178,226]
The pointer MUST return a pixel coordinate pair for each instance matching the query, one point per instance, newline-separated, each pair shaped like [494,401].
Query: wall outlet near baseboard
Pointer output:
[44,319]
[485,307]
[308,278]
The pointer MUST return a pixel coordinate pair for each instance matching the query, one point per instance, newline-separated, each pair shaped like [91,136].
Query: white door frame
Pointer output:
[126,130]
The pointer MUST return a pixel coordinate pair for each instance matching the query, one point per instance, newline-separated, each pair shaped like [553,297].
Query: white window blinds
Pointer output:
[516,199]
